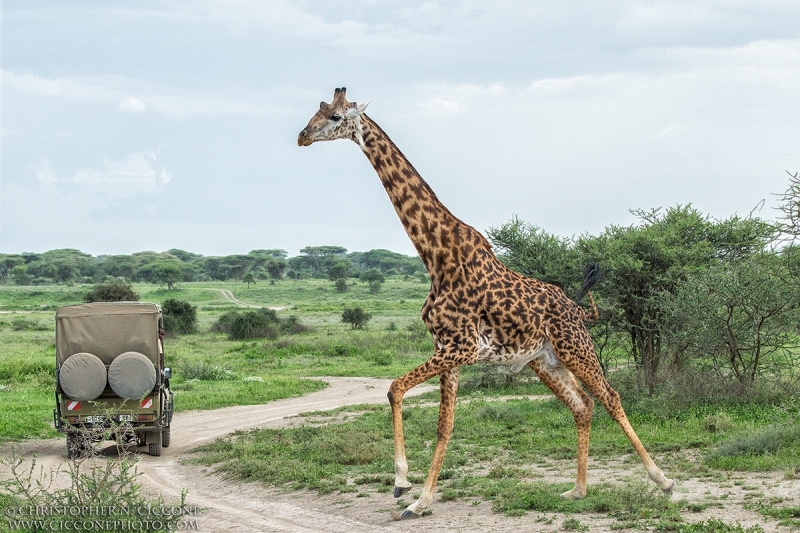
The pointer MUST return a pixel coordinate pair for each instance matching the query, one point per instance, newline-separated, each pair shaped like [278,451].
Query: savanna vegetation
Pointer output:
[698,332]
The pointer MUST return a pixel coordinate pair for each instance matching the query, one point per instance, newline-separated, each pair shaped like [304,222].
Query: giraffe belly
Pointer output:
[517,359]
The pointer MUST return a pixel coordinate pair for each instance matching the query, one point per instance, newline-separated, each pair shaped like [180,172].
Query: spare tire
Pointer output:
[132,375]
[82,377]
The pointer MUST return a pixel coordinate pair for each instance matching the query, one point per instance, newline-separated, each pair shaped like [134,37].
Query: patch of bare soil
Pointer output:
[230,505]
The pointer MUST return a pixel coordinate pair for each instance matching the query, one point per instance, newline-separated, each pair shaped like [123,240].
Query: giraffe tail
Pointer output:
[591,275]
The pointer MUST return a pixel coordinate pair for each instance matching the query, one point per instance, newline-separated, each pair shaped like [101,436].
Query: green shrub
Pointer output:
[769,440]
[341,285]
[179,316]
[356,317]
[112,291]
[293,325]
[260,324]
[202,371]
[223,323]
[254,325]
[24,324]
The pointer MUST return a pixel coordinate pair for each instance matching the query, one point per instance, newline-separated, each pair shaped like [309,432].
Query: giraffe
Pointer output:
[478,310]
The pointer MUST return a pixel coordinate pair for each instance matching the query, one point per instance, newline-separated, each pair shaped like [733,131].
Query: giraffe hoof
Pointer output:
[406,515]
[399,491]
[574,494]
[668,490]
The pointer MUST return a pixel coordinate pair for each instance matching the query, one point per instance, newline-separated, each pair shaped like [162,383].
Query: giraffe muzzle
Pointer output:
[303,139]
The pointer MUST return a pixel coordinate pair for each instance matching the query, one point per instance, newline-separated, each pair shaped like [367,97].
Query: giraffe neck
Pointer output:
[436,233]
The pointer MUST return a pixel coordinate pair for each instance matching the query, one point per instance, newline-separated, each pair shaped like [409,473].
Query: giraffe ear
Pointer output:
[354,110]
[361,108]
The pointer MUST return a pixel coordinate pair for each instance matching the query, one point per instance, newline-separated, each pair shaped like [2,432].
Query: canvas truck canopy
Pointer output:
[107,330]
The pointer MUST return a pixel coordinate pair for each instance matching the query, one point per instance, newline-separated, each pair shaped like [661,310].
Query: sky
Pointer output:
[133,126]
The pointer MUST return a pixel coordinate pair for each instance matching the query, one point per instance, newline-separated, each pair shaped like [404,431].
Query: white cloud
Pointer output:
[109,90]
[138,173]
[132,105]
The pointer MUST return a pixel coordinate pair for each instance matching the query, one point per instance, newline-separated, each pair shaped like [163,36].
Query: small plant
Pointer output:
[293,325]
[417,331]
[112,291]
[109,485]
[356,317]
[573,524]
[720,422]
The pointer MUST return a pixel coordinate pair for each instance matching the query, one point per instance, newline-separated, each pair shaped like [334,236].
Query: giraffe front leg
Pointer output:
[401,483]
[448,388]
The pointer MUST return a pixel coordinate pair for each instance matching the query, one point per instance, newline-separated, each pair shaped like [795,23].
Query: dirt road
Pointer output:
[231,505]
[228,295]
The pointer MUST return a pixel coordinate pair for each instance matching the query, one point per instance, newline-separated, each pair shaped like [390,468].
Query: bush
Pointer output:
[356,317]
[179,316]
[254,325]
[204,372]
[293,325]
[341,285]
[112,291]
[111,484]
[223,323]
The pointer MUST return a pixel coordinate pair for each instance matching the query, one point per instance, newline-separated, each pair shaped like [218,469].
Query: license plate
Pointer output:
[94,419]
[126,418]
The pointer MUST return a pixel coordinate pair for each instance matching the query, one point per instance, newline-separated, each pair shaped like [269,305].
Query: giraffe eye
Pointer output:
[336,118]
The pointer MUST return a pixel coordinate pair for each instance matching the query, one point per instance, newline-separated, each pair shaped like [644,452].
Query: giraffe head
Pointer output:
[338,120]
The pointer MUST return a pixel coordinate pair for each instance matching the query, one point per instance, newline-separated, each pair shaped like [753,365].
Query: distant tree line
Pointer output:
[175,266]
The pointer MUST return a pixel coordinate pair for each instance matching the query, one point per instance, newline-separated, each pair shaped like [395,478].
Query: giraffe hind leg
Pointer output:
[561,381]
[579,357]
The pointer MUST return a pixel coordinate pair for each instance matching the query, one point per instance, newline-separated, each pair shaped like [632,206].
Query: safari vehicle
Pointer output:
[111,382]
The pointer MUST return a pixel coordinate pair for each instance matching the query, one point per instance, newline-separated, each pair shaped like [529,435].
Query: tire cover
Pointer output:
[131,375]
[82,377]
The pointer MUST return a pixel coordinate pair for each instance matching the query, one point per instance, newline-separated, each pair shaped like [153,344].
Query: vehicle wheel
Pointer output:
[165,437]
[154,448]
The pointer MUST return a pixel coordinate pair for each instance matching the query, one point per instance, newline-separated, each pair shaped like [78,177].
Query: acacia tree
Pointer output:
[533,252]
[168,273]
[317,258]
[356,317]
[737,319]
[275,267]
[374,278]
[338,272]
[643,262]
